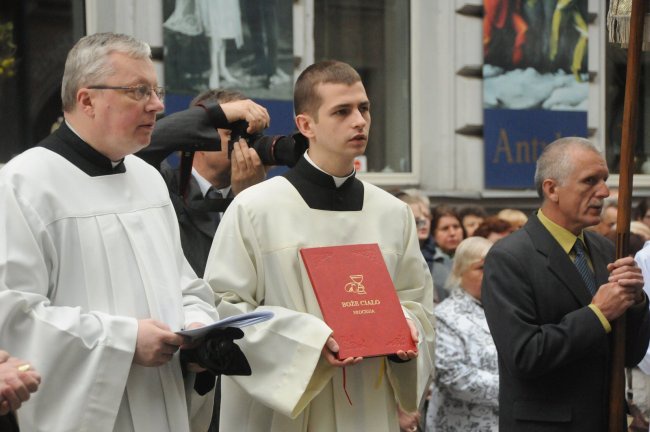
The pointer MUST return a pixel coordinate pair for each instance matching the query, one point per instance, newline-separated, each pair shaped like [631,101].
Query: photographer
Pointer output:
[214,175]
[196,127]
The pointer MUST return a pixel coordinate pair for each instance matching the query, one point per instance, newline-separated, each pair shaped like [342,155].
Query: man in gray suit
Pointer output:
[551,291]
[212,171]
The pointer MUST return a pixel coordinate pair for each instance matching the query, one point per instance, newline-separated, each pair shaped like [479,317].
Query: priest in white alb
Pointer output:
[93,281]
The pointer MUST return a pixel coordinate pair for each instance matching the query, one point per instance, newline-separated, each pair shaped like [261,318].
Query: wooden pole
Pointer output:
[617,418]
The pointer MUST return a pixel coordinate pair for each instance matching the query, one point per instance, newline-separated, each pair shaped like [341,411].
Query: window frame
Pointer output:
[304,50]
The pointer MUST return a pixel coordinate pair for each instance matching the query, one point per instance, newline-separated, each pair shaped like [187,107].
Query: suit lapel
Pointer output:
[557,261]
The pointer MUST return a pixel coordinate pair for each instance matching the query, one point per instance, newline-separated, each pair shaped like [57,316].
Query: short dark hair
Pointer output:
[306,98]
[217,96]
[444,210]
[473,210]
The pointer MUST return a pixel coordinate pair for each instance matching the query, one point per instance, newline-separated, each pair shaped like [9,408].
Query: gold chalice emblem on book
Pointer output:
[356,286]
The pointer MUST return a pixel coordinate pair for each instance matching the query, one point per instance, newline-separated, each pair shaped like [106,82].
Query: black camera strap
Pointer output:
[185,170]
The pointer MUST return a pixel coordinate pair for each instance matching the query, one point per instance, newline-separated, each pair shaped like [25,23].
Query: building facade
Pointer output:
[421,61]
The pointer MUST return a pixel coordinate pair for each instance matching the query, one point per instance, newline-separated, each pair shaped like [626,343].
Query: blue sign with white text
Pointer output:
[514,139]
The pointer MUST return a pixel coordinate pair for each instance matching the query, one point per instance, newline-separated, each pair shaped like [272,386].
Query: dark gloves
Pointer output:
[395,359]
[219,354]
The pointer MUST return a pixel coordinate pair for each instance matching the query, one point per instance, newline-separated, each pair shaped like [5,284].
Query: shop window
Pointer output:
[35,37]
[373,37]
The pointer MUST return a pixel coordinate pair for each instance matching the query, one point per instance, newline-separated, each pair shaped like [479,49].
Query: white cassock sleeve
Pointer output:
[84,358]
[414,288]
[642,259]
[283,352]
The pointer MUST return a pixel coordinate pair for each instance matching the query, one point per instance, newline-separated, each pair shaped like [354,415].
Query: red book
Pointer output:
[358,299]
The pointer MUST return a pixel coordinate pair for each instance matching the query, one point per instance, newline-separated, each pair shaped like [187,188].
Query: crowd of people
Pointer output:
[107,252]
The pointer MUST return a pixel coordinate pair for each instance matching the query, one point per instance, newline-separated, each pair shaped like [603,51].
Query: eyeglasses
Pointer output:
[137,92]
[421,222]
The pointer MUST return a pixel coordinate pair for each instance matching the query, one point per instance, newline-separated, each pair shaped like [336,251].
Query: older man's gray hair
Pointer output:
[555,161]
[88,62]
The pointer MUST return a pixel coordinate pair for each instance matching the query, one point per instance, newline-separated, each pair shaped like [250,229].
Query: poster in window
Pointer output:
[535,83]
[244,45]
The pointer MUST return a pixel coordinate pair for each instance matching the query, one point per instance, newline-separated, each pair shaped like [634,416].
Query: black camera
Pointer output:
[272,149]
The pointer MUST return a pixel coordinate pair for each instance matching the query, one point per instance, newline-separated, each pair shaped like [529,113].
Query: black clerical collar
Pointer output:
[69,145]
[320,192]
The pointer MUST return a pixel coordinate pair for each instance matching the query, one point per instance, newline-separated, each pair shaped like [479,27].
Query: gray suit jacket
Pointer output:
[554,354]
[189,130]
[197,226]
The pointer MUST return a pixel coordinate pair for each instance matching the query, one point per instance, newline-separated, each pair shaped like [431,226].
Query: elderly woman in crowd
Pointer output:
[447,234]
[466,389]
